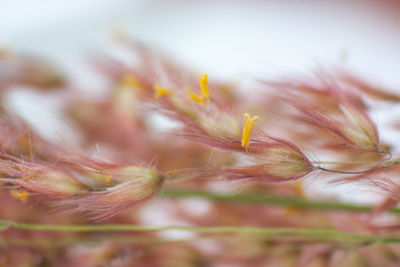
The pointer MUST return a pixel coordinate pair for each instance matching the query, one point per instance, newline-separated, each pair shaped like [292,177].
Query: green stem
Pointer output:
[258,198]
[296,233]
[63,241]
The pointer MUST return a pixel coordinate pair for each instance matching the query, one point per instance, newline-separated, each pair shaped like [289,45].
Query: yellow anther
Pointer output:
[160,91]
[22,168]
[124,95]
[298,188]
[204,85]
[204,93]
[108,179]
[130,81]
[197,98]
[21,195]
[248,123]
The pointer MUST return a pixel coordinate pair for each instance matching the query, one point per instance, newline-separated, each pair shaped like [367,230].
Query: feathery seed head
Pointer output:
[284,161]
[42,180]
[130,186]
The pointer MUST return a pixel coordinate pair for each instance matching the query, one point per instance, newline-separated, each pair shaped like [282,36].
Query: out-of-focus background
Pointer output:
[226,39]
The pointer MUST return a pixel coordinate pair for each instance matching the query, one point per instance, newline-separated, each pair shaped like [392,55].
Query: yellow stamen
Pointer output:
[248,123]
[22,168]
[160,91]
[204,93]
[197,98]
[298,188]
[204,85]
[21,195]
[124,95]
[108,179]
[130,81]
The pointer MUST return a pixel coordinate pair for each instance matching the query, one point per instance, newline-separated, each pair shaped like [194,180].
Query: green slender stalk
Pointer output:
[304,234]
[258,198]
[63,241]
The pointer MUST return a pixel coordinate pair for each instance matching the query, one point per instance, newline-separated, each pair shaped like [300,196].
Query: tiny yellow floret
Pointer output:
[160,91]
[21,195]
[204,85]
[248,123]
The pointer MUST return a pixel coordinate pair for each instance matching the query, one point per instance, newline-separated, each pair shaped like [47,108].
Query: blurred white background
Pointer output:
[223,38]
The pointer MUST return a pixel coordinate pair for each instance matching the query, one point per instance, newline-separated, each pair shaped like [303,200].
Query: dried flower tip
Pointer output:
[204,85]
[21,195]
[160,91]
[248,123]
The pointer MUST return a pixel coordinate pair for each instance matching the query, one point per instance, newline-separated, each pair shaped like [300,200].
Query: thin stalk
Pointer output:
[63,241]
[258,198]
[296,233]
[386,163]
[346,162]
[353,172]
